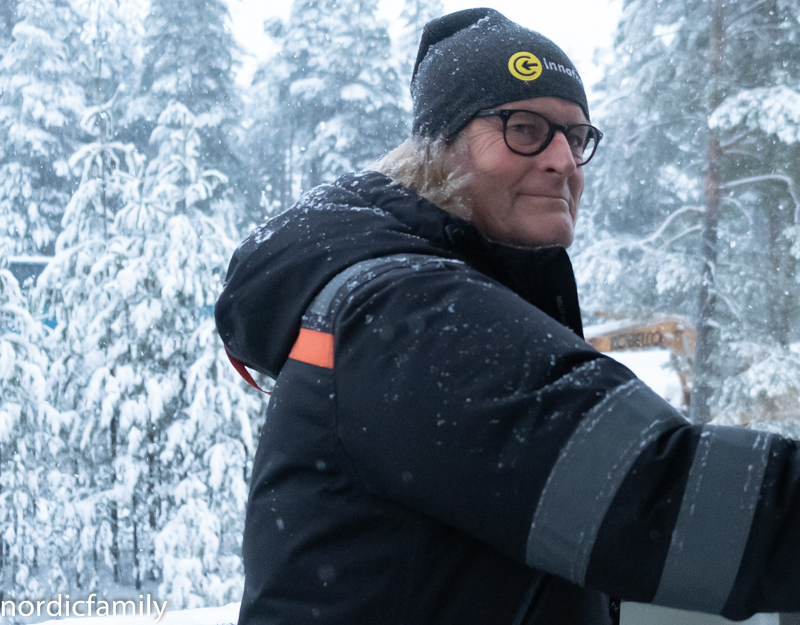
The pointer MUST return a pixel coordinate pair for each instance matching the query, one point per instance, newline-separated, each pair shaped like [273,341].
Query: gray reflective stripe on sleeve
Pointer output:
[319,315]
[588,473]
[714,521]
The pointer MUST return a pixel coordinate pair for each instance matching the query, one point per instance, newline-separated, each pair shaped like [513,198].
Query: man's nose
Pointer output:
[558,155]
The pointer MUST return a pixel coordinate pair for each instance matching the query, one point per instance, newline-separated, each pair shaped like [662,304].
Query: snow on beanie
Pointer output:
[478,59]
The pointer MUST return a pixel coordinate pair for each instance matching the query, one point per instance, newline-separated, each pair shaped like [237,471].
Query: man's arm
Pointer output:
[463,401]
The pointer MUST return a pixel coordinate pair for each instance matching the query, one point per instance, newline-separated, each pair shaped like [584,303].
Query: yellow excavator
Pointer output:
[670,332]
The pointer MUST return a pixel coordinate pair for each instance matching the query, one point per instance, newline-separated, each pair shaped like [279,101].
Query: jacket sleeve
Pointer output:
[461,400]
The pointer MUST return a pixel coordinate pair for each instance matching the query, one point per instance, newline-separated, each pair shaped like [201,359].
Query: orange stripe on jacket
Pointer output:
[313,347]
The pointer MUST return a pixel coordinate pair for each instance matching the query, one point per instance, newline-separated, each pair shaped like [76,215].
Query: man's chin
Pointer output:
[555,231]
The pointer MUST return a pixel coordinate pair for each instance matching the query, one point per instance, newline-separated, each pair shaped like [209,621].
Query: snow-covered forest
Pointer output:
[694,206]
[133,162]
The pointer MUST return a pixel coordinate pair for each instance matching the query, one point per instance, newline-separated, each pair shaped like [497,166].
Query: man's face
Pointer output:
[524,201]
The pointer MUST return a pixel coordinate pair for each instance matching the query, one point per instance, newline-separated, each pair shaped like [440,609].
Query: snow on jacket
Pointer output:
[442,447]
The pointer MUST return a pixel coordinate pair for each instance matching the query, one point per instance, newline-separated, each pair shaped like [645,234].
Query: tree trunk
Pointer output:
[707,335]
[151,500]
[136,573]
[782,264]
[114,518]
[2,545]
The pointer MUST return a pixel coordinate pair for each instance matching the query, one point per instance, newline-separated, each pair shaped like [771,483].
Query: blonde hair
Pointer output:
[428,166]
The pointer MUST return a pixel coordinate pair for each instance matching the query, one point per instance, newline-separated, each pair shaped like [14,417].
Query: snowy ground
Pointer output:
[652,366]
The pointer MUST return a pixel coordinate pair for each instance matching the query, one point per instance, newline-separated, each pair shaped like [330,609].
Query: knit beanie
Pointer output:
[478,59]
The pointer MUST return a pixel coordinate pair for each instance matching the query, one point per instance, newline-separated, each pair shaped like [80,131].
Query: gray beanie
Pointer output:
[477,59]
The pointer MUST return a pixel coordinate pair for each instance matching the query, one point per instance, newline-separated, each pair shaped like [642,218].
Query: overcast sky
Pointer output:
[579,27]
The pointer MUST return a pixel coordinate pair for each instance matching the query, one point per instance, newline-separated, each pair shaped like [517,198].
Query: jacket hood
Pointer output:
[280,268]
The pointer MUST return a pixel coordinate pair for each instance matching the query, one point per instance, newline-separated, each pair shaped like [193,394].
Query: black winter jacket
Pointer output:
[442,447]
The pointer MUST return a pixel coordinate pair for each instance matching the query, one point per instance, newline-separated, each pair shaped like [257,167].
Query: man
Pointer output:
[441,445]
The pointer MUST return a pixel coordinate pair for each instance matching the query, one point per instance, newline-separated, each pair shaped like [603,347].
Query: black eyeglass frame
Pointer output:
[505,114]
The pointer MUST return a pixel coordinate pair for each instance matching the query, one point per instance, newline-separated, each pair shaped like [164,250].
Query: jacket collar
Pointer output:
[276,273]
[544,277]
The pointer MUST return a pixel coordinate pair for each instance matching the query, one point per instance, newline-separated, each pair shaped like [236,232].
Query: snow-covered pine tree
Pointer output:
[112,34]
[338,97]
[269,140]
[73,290]
[413,17]
[41,104]
[761,125]
[677,193]
[203,429]
[190,57]
[31,486]
[8,17]
[137,358]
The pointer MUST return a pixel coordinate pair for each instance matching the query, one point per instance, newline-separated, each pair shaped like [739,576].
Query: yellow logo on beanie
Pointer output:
[525,66]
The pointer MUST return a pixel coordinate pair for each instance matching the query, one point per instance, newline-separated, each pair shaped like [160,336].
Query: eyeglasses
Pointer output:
[528,134]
